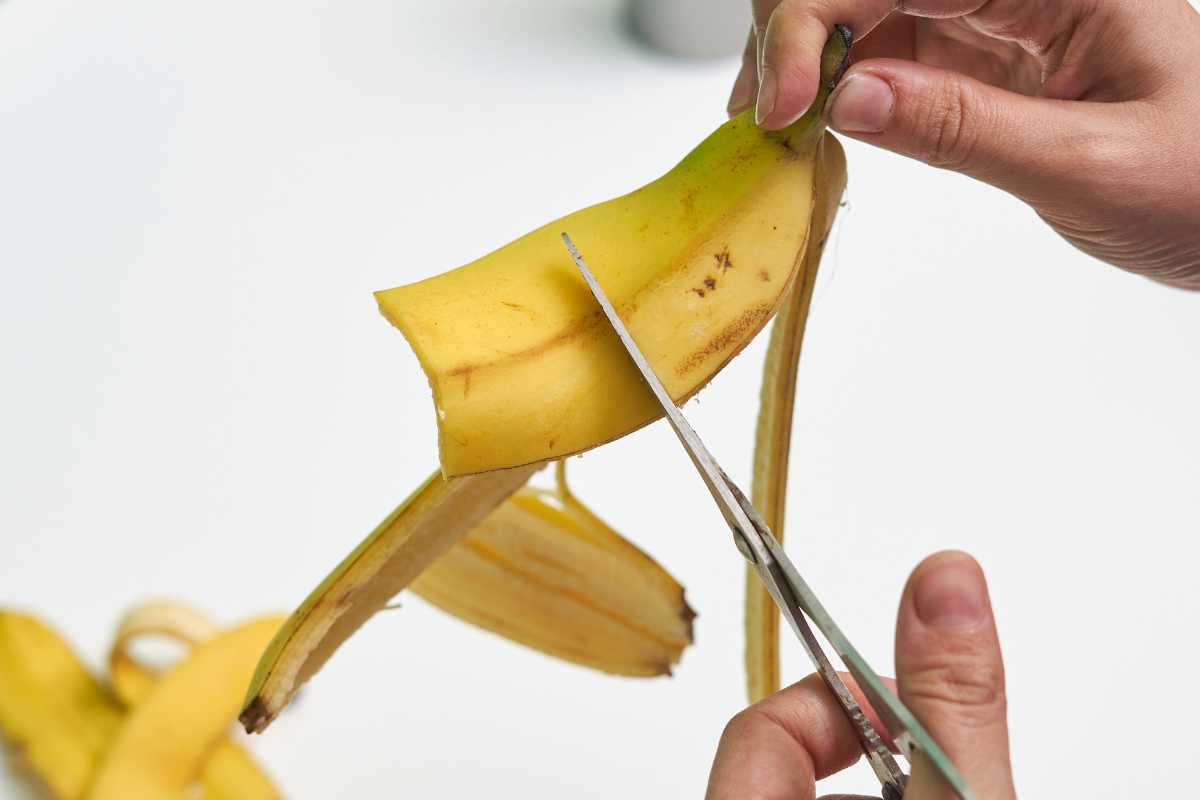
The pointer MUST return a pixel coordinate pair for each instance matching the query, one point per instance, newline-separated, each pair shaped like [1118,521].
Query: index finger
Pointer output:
[782,745]
[791,35]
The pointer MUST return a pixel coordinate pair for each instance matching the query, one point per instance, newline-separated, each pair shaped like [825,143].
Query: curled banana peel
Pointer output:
[61,723]
[229,771]
[524,370]
[543,570]
[159,751]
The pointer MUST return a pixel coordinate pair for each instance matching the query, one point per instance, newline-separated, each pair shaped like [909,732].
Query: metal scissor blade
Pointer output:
[906,730]
[792,593]
[745,523]
[714,477]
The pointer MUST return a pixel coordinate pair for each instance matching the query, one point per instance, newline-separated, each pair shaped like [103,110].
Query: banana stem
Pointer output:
[805,132]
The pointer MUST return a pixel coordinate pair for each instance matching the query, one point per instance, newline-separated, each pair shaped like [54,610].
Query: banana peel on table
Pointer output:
[524,371]
[145,733]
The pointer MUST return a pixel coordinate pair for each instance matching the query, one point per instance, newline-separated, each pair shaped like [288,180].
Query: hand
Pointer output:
[949,674]
[1085,109]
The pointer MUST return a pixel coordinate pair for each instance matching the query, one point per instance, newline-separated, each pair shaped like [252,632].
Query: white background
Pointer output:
[199,399]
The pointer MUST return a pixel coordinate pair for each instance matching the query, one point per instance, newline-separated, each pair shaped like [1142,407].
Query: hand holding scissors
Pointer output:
[949,673]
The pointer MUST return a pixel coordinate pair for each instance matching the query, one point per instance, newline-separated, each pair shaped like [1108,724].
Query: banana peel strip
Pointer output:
[55,717]
[230,771]
[60,721]
[421,529]
[772,442]
[544,571]
[161,749]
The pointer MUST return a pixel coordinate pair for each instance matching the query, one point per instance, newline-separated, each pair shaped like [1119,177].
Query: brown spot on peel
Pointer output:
[764,276]
[710,283]
[749,321]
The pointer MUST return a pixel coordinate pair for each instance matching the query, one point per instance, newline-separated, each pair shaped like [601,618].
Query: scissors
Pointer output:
[758,545]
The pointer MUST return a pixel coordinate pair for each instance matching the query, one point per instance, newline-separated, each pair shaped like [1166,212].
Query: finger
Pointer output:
[950,672]
[790,51]
[780,746]
[894,37]
[1022,144]
[745,87]
[797,29]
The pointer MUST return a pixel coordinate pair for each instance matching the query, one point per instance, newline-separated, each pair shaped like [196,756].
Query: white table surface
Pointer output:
[200,400]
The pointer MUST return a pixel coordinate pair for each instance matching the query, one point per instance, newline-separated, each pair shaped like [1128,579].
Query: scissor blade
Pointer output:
[788,589]
[905,729]
[742,518]
[713,475]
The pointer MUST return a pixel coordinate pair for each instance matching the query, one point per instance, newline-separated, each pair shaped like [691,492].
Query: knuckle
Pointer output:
[815,13]
[745,723]
[951,119]
[974,690]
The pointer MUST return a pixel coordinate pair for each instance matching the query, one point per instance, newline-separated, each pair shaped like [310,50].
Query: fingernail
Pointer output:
[950,593]
[862,104]
[767,89]
[742,95]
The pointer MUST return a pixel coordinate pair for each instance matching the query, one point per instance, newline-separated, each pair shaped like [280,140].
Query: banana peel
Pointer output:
[523,370]
[160,750]
[773,435]
[544,571]
[523,367]
[427,524]
[56,718]
[60,721]
[230,771]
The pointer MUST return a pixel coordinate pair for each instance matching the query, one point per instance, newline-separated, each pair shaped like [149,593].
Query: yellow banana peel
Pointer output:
[772,441]
[523,370]
[56,718]
[61,722]
[545,571]
[160,751]
[522,365]
[433,518]
[230,771]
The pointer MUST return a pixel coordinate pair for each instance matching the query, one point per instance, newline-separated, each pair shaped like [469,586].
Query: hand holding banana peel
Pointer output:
[1084,109]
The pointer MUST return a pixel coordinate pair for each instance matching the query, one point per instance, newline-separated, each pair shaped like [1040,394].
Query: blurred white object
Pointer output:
[695,28]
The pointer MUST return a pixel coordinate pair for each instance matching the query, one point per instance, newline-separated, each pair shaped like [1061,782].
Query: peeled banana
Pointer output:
[524,370]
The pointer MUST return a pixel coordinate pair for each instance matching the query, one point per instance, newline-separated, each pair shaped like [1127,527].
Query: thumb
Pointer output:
[949,669]
[1025,145]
